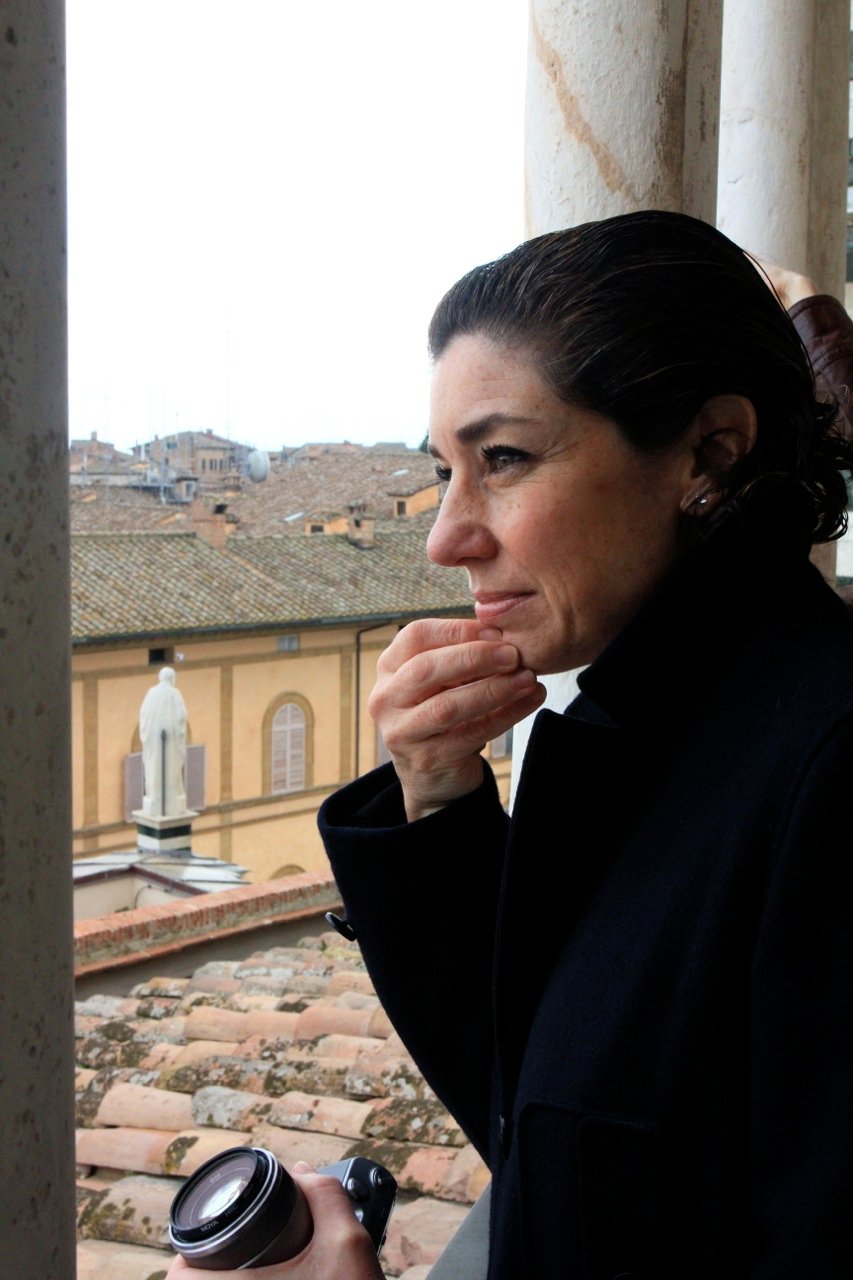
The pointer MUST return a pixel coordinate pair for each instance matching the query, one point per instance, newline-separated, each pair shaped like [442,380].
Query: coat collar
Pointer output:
[738,579]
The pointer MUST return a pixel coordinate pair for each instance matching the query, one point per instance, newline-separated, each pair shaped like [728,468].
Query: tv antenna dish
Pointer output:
[258,465]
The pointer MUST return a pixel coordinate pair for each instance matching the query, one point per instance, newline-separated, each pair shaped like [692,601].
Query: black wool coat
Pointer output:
[637,996]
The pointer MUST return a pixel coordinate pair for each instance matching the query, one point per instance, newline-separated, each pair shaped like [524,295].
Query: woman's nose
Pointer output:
[460,533]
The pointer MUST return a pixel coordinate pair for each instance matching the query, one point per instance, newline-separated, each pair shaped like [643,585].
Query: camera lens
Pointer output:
[239,1209]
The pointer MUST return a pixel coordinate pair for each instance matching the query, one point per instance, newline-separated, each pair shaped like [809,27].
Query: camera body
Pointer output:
[243,1209]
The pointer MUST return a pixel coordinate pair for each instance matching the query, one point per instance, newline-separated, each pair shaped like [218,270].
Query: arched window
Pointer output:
[287,749]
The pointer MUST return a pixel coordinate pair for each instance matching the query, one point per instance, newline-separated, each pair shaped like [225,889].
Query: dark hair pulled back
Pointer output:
[644,317]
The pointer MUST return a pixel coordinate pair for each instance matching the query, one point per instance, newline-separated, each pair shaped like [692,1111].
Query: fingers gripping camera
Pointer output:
[243,1209]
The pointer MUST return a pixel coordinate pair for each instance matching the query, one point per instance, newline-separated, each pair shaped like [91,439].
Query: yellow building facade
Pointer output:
[280,709]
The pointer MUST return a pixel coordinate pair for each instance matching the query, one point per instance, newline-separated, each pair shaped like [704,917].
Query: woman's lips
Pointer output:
[490,606]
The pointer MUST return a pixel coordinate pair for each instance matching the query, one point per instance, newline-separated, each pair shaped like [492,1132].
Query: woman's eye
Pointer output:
[442,473]
[500,456]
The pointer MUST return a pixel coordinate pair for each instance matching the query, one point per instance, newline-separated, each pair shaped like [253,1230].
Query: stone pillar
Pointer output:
[36,1041]
[783,142]
[622,109]
[622,114]
[783,133]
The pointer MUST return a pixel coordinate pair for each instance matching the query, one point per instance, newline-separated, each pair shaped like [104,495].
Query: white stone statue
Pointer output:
[163,731]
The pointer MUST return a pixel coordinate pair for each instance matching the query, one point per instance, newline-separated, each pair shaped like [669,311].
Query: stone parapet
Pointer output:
[128,937]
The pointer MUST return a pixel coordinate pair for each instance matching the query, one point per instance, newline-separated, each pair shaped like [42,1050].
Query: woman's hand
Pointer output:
[339,1249]
[444,688]
[789,286]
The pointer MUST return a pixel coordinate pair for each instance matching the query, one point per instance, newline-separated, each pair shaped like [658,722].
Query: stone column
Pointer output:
[36,1042]
[783,133]
[622,114]
[783,141]
[622,109]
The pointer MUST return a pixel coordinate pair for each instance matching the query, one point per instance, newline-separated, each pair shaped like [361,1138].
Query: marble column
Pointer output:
[622,109]
[783,133]
[783,141]
[622,114]
[36,1040]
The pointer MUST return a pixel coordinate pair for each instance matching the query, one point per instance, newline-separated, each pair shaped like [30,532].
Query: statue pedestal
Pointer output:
[164,835]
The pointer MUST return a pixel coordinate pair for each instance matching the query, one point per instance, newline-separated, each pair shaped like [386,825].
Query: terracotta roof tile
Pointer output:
[104,1260]
[143,1150]
[312,1085]
[200,1050]
[418,1232]
[124,1103]
[189,1150]
[134,1210]
[270,582]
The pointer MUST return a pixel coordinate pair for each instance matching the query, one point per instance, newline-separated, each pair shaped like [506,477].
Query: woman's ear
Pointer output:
[722,433]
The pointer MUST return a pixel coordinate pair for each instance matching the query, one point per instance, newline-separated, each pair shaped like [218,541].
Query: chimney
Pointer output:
[360,528]
[213,527]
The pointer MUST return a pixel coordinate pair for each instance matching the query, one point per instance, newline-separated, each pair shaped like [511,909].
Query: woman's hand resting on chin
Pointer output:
[444,688]
[339,1249]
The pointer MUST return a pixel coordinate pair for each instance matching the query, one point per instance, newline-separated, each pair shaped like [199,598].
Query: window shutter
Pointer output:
[195,776]
[288,749]
[133,784]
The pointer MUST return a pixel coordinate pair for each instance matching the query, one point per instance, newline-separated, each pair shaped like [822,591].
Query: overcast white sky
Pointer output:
[266,200]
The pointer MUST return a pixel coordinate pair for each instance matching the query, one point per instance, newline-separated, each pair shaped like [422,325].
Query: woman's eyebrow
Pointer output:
[473,432]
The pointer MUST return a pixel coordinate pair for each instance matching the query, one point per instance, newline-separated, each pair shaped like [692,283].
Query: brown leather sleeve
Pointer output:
[827,333]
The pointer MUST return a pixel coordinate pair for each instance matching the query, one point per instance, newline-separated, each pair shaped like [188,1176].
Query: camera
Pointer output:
[243,1209]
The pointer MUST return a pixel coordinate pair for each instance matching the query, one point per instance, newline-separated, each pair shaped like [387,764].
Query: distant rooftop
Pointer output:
[312,480]
[146,584]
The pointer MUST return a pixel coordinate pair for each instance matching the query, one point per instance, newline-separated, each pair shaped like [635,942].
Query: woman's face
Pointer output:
[564,528]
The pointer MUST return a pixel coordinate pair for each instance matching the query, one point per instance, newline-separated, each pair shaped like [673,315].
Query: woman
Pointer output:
[634,996]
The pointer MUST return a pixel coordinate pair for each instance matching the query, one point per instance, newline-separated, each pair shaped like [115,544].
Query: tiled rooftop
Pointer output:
[288,1049]
[159,584]
[315,481]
